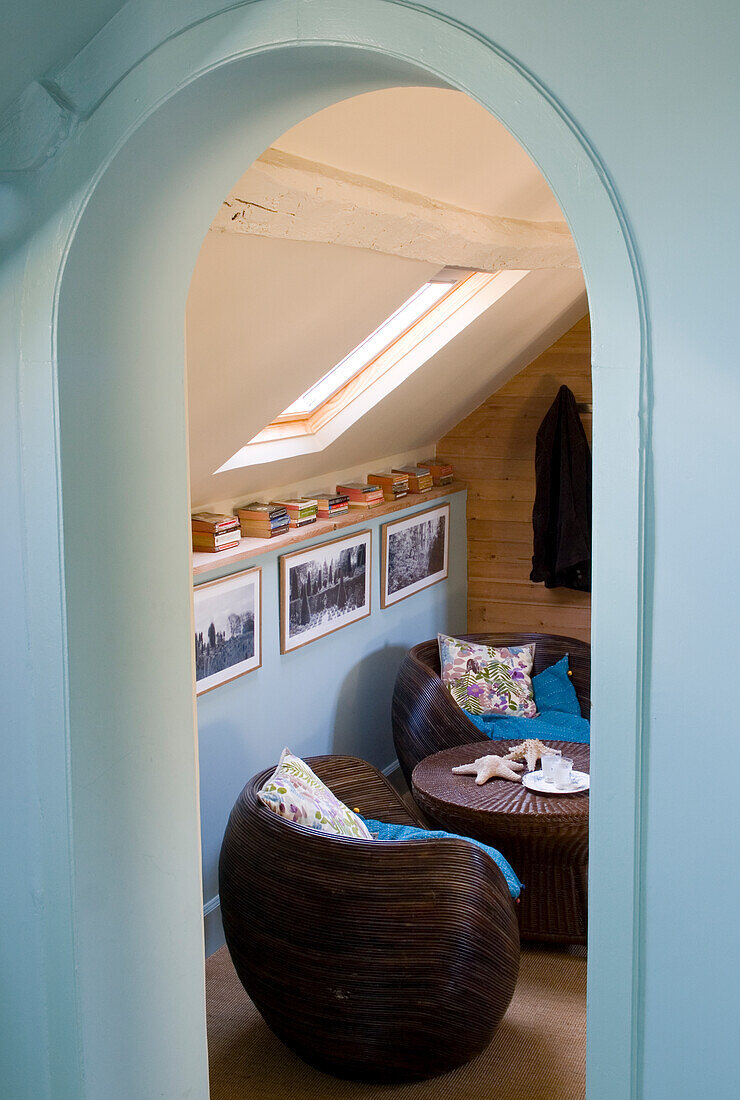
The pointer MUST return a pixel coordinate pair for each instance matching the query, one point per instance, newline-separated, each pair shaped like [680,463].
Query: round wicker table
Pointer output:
[544,837]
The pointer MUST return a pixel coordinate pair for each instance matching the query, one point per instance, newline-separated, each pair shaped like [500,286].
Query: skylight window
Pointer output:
[415,307]
[416,331]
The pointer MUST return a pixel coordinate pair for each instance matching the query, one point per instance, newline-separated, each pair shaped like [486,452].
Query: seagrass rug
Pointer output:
[538,1052]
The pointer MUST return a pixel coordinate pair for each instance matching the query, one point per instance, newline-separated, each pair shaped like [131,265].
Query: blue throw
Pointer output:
[384,831]
[553,726]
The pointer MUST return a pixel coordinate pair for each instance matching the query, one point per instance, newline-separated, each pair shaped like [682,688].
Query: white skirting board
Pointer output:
[212,928]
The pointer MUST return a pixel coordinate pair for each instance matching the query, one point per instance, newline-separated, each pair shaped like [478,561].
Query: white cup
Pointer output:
[563,772]
[549,761]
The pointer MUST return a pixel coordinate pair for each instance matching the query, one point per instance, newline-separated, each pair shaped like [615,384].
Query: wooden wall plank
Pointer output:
[501,489]
[493,451]
[566,616]
[490,467]
[501,510]
[506,591]
[487,616]
[511,531]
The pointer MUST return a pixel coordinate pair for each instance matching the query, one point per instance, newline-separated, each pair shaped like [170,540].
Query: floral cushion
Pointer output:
[484,679]
[296,793]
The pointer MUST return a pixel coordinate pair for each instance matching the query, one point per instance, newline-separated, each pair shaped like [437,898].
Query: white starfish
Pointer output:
[486,767]
[530,750]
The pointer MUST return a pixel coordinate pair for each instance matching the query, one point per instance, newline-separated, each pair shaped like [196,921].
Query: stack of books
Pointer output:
[329,503]
[213,532]
[420,478]
[301,511]
[441,471]
[259,520]
[362,496]
[394,483]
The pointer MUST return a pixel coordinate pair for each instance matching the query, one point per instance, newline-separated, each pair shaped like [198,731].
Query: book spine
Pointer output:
[203,527]
[359,491]
[245,513]
[212,547]
[262,534]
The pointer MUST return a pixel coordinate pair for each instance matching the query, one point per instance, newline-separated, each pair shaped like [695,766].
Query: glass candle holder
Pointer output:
[563,772]
[549,760]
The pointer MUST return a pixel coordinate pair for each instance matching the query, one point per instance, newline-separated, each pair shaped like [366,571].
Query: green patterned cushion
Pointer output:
[484,679]
[296,793]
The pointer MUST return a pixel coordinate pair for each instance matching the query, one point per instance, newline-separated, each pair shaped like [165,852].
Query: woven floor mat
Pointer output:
[538,1052]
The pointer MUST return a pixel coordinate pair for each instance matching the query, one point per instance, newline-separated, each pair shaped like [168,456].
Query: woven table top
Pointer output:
[436,786]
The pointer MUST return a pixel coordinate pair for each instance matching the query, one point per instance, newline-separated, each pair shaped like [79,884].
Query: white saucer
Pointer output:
[535,781]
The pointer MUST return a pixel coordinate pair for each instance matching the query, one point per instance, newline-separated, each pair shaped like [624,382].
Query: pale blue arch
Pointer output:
[102,361]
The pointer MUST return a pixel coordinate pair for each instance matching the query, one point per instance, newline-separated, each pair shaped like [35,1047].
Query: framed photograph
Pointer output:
[324,589]
[228,629]
[415,554]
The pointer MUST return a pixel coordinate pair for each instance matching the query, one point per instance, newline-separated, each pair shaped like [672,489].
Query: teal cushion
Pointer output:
[553,689]
[383,831]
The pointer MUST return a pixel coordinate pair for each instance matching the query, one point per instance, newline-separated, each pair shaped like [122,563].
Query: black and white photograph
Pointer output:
[324,588]
[228,629]
[415,554]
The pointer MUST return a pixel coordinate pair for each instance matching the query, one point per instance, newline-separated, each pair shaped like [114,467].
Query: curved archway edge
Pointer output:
[386,43]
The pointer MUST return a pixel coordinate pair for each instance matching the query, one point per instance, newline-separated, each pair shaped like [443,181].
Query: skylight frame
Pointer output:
[469,297]
[296,424]
[291,414]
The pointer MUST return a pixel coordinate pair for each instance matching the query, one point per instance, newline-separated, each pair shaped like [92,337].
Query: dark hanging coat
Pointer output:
[561,516]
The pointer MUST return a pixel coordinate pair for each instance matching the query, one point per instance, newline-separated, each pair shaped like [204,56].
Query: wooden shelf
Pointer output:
[253,548]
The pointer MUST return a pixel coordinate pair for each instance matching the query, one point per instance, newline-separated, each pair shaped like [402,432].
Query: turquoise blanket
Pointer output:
[383,831]
[552,726]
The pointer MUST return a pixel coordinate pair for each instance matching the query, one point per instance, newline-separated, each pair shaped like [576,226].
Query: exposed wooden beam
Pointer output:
[288,197]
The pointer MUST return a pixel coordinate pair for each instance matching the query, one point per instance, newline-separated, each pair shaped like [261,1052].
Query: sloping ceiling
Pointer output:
[431,140]
[267,317]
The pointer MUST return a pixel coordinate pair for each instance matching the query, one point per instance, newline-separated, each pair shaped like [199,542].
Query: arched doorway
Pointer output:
[108,283]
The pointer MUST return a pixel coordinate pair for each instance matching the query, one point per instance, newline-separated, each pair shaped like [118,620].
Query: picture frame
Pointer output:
[227,615]
[415,554]
[324,588]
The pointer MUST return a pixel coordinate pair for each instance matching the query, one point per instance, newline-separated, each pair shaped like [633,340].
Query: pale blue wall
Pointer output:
[333,695]
[654,87]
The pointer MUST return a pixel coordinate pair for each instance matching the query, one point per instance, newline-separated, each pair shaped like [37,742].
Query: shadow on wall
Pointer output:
[364,707]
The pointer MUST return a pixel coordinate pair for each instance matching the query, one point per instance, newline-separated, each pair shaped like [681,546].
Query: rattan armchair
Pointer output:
[426,719]
[376,961]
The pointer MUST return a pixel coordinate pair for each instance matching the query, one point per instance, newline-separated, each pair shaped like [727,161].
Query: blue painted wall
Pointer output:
[333,695]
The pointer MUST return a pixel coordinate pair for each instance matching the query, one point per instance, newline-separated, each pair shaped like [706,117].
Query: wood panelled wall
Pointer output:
[493,451]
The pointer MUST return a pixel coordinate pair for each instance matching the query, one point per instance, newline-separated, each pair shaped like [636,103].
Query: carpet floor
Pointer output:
[538,1052]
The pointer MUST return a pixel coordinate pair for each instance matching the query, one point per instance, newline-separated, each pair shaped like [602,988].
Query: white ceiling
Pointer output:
[434,141]
[267,317]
